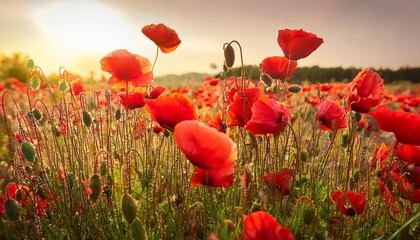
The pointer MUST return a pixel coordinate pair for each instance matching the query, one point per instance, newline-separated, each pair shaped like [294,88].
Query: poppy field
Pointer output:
[235,158]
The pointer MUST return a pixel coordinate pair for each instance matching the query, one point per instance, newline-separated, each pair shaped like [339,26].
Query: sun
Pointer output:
[85,26]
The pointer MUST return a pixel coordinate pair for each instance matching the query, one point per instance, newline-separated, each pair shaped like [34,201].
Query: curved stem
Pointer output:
[156,57]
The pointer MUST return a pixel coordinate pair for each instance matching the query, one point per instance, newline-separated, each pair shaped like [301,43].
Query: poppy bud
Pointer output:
[304,155]
[309,215]
[87,119]
[267,80]
[42,193]
[62,85]
[18,194]
[129,207]
[35,83]
[28,151]
[345,139]
[137,230]
[118,114]
[71,179]
[12,209]
[95,187]
[36,114]
[229,56]
[294,88]
[102,168]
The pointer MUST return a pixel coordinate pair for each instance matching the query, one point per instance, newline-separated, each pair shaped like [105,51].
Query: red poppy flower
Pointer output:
[261,225]
[239,111]
[268,116]
[325,87]
[135,100]
[349,203]
[204,146]
[127,67]
[405,126]
[408,153]
[389,196]
[407,187]
[164,37]
[280,181]
[156,92]
[213,153]
[365,91]
[170,109]
[223,176]
[331,116]
[297,44]
[276,67]
[313,100]
[77,87]
[157,129]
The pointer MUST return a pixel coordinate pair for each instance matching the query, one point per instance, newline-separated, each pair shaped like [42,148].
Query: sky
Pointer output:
[76,34]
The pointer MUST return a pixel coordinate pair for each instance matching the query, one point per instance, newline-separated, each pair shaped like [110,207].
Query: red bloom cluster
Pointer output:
[268,116]
[365,91]
[349,203]
[164,37]
[261,225]
[170,109]
[404,125]
[126,67]
[211,152]
[331,116]
[298,44]
[281,182]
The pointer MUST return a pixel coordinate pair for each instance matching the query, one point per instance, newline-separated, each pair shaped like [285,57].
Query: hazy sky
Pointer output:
[77,34]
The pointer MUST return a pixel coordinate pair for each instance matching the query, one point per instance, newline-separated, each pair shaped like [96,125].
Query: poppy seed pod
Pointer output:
[12,209]
[229,56]
[28,151]
[129,208]
[294,88]
[137,230]
[95,186]
[266,79]
[87,119]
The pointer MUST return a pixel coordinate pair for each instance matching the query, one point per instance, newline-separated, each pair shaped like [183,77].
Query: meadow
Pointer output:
[231,158]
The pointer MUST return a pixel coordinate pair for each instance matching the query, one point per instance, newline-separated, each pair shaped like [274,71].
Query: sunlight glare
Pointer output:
[85,26]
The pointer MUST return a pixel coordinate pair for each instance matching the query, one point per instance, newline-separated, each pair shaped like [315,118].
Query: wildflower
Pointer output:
[405,126]
[261,225]
[204,146]
[349,203]
[280,181]
[170,109]
[156,92]
[268,116]
[77,87]
[134,100]
[278,67]
[297,44]
[239,111]
[331,116]
[211,152]
[408,153]
[365,91]
[164,37]
[127,67]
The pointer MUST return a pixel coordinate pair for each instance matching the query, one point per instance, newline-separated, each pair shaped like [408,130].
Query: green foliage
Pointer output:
[14,66]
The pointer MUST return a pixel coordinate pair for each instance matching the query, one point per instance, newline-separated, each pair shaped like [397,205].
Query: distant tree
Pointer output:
[14,66]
